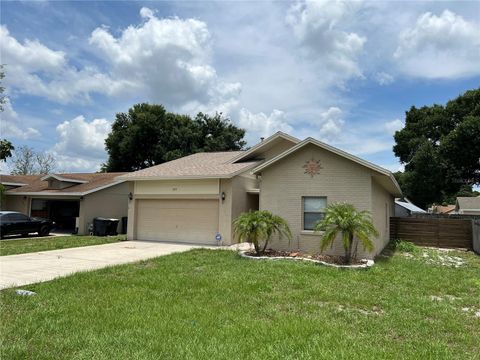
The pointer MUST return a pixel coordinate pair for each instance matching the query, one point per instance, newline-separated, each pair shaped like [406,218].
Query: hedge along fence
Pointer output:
[433,231]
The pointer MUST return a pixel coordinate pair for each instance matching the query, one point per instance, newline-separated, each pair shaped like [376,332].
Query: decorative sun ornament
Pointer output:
[312,167]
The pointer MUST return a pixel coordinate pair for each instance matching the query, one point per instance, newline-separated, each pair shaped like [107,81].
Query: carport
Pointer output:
[63,212]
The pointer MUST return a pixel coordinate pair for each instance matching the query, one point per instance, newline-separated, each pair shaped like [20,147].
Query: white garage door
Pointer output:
[189,221]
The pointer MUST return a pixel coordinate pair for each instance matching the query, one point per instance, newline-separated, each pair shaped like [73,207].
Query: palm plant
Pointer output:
[345,219]
[258,227]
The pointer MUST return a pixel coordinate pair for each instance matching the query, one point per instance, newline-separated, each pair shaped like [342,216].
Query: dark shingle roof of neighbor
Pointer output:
[35,184]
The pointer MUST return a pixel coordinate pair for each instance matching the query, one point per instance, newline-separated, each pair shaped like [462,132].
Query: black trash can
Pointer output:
[112,226]
[124,224]
[104,226]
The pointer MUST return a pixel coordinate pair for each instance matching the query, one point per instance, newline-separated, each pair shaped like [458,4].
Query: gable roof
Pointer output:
[264,145]
[468,203]
[17,180]
[440,209]
[38,185]
[62,178]
[196,166]
[322,145]
[409,206]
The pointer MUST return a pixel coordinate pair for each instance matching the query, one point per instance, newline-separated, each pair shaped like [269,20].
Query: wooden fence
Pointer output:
[440,232]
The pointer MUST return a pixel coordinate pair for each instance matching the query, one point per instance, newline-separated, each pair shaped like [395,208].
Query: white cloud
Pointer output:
[383,78]
[32,54]
[11,125]
[392,126]
[318,25]
[445,46]
[168,60]
[32,68]
[81,145]
[147,13]
[262,125]
[331,124]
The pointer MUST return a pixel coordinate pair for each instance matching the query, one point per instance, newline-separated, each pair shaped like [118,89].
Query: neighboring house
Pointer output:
[196,198]
[405,208]
[468,205]
[439,209]
[71,200]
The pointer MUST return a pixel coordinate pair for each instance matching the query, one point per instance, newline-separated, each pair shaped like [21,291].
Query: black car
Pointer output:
[14,223]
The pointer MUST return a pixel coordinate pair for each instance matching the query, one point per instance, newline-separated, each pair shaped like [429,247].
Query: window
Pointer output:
[19,217]
[39,204]
[313,211]
[6,217]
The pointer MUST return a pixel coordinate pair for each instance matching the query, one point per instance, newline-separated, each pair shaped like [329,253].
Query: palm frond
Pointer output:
[344,218]
[259,226]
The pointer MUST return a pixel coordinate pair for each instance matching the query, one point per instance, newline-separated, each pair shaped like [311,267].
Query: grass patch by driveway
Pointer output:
[212,304]
[36,244]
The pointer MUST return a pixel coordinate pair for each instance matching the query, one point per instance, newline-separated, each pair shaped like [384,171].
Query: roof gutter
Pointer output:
[12,183]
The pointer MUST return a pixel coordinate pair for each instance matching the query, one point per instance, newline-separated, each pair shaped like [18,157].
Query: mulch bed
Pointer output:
[337,260]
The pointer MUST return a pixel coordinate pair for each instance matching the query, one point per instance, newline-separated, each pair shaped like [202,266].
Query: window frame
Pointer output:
[311,212]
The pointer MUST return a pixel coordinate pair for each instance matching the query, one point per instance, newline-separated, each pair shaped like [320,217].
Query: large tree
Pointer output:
[27,161]
[148,135]
[440,147]
[6,146]
[6,149]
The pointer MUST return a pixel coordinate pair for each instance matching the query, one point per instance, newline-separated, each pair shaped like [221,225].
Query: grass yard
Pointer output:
[35,244]
[210,304]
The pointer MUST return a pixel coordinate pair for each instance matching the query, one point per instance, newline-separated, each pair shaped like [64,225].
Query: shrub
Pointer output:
[257,227]
[354,226]
[404,246]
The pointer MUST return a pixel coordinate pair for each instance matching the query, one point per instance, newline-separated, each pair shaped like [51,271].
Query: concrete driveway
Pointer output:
[23,269]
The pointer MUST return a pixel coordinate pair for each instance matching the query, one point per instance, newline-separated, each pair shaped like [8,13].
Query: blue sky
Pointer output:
[342,72]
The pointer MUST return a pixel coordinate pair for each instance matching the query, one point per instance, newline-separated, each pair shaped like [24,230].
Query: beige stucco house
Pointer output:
[71,200]
[196,198]
[467,205]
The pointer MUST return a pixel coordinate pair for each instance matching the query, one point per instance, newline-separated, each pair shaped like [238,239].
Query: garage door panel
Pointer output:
[191,221]
[179,204]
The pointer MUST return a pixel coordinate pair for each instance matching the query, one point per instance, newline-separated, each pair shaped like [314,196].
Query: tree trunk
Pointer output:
[265,246]
[254,241]
[348,251]
[257,248]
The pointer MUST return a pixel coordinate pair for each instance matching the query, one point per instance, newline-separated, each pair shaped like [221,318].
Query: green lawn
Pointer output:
[211,304]
[35,244]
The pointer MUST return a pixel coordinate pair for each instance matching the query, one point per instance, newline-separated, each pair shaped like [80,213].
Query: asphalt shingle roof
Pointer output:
[35,184]
[216,164]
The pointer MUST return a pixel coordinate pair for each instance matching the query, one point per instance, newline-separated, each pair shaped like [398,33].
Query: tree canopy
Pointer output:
[6,146]
[27,161]
[148,135]
[440,147]
[6,149]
